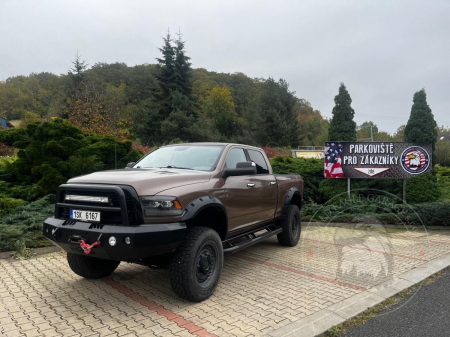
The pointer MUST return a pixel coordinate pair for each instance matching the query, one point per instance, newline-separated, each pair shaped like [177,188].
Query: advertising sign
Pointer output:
[397,160]
[308,154]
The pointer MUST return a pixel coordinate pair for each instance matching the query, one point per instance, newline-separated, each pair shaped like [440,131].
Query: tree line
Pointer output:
[166,102]
[169,102]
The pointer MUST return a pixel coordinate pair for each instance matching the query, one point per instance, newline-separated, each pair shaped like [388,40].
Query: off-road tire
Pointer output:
[291,224]
[196,265]
[91,267]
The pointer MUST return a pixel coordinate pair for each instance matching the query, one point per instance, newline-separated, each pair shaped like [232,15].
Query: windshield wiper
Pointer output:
[177,167]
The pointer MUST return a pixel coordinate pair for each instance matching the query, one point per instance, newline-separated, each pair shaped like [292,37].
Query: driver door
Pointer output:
[241,199]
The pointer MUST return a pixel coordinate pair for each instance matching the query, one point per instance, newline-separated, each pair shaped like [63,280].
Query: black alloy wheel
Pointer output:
[196,265]
[291,224]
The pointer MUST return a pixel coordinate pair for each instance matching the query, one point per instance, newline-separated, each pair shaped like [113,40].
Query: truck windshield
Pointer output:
[202,158]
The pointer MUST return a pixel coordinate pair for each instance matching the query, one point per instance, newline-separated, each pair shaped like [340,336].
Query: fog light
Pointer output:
[112,241]
[127,240]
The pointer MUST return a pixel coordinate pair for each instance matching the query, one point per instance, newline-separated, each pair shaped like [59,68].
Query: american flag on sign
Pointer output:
[333,167]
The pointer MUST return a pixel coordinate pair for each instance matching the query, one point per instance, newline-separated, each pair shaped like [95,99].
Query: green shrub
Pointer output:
[8,204]
[423,188]
[387,212]
[443,178]
[311,171]
[25,224]
[26,192]
[333,189]
[52,152]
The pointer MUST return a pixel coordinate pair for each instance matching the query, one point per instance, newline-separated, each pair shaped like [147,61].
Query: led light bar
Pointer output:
[86,198]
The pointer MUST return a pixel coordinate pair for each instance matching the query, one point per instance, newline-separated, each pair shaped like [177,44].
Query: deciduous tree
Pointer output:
[219,106]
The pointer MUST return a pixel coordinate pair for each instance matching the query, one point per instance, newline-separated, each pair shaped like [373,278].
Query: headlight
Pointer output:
[161,206]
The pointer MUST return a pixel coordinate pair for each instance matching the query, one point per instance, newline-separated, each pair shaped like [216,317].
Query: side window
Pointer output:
[235,156]
[258,159]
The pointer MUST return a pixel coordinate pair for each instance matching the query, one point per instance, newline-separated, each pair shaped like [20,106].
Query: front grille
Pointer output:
[108,217]
[131,208]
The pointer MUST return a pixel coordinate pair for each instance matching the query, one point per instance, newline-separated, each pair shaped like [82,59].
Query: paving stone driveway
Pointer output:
[262,289]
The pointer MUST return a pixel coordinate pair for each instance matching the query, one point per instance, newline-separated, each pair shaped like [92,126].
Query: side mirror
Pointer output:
[130,165]
[242,169]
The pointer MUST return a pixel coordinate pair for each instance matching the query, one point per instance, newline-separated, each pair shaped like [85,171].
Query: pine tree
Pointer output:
[422,130]
[183,70]
[77,72]
[421,127]
[342,127]
[278,114]
[166,76]
[74,86]
[171,113]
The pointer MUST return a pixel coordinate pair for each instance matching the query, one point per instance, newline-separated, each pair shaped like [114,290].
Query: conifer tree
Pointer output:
[166,77]
[77,72]
[74,86]
[183,70]
[422,130]
[421,127]
[171,113]
[342,127]
[278,115]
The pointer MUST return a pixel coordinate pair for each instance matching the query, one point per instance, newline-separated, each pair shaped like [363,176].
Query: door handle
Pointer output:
[250,185]
[273,182]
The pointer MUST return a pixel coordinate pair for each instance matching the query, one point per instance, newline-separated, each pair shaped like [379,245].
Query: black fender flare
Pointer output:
[201,203]
[289,195]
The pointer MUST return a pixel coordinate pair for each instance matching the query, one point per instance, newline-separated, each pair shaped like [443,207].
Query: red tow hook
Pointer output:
[87,247]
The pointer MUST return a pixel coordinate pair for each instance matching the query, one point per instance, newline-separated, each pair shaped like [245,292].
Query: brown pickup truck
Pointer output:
[181,206]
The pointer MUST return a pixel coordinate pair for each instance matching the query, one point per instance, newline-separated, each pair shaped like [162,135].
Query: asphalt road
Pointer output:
[424,313]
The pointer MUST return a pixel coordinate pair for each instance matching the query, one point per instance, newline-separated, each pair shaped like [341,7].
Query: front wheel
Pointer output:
[196,265]
[91,267]
[291,225]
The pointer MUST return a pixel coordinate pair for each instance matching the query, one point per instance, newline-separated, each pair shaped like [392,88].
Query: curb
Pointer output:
[352,224]
[37,251]
[322,320]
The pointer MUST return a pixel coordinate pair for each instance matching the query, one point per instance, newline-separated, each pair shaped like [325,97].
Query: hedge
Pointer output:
[52,152]
[420,189]
[418,215]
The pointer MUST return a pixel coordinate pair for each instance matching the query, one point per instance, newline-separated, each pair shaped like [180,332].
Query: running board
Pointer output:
[249,239]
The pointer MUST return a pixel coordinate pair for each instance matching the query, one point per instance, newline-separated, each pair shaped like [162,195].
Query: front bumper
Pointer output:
[145,240]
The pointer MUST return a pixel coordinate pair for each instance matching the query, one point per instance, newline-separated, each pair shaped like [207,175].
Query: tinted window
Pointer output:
[235,156]
[258,159]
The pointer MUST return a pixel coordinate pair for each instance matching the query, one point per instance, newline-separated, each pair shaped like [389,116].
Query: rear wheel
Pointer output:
[196,265]
[91,267]
[291,225]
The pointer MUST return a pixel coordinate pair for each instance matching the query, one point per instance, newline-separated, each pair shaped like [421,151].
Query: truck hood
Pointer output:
[145,181]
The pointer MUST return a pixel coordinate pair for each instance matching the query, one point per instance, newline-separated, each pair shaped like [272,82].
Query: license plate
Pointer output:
[84,215]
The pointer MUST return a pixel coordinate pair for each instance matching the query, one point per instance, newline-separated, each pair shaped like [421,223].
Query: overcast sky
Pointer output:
[384,51]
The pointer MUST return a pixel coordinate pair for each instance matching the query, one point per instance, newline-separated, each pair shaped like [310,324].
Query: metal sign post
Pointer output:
[348,187]
[404,191]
